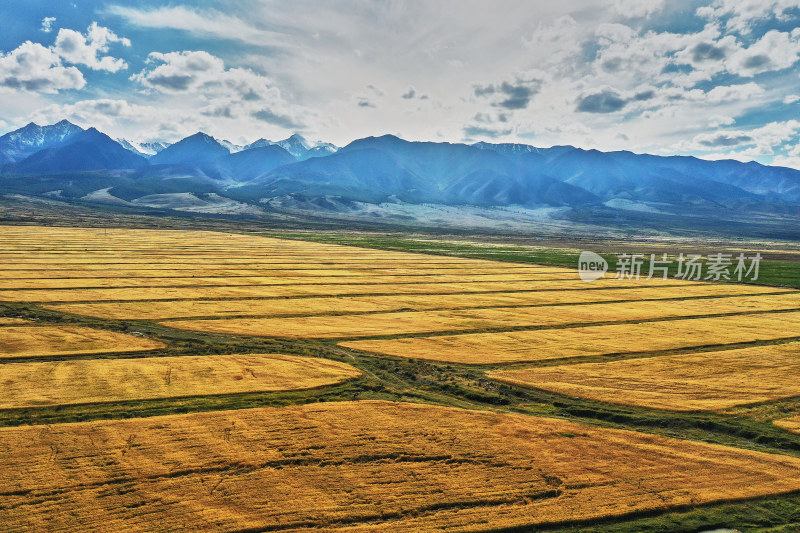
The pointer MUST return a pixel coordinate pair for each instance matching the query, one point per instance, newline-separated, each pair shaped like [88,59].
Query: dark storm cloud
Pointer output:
[756,62]
[477,131]
[519,96]
[175,82]
[36,84]
[707,52]
[606,101]
[512,96]
[724,139]
[613,64]
[284,121]
[219,112]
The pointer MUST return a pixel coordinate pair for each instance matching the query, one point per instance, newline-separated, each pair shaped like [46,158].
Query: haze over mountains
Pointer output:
[374,176]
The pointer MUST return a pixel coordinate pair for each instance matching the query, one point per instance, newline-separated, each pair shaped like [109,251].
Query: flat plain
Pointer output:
[587,341]
[310,306]
[107,380]
[6,321]
[791,423]
[237,322]
[40,341]
[415,322]
[707,380]
[355,466]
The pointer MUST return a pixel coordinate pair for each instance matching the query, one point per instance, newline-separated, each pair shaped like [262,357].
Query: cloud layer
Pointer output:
[712,78]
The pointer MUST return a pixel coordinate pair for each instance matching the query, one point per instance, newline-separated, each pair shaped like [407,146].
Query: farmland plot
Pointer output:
[790,423]
[354,466]
[539,345]
[708,380]
[310,306]
[399,323]
[360,465]
[37,341]
[105,380]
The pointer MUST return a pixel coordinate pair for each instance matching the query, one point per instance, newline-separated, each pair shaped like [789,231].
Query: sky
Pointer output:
[716,79]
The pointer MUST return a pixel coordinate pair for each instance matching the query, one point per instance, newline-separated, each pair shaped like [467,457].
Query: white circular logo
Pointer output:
[591,266]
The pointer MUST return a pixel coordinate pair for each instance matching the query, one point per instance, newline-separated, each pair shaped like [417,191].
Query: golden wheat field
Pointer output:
[5,321]
[538,345]
[400,323]
[790,423]
[258,278]
[278,279]
[708,380]
[310,306]
[358,466]
[361,459]
[275,290]
[38,341]
[107,380]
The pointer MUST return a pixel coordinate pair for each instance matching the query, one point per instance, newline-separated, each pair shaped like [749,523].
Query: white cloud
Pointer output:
[734,93]
[790,99]
[100,112]
[638,8]
[742,14]
[761,141]
[218,91]
[80,49]
[178,72]
[776,50]
[121,118]
[666,86]
[33,67]
[47,24]
[628,57]
[202,73]
[208,23]
[556,42]
[791,159]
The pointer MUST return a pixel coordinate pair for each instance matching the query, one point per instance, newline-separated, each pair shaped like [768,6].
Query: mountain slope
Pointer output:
[252,162]
[62,159]
[19,144]
[195,149]
[295,145]
[146,149]
[86,150]
[379,169]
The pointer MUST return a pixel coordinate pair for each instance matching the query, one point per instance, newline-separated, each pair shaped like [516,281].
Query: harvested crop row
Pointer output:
[416,302]
[416,322]
[168,242]
[312,266]
[256,291]
[15,267]
[37,341]
[791,423]
[108,380]
[707,380]
[353,466]
[10,321]
[540,345]
[288,279]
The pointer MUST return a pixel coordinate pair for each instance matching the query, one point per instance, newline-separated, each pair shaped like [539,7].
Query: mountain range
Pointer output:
[203,174]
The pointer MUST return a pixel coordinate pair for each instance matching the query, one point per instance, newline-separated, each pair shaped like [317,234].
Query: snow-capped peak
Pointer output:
[146,149]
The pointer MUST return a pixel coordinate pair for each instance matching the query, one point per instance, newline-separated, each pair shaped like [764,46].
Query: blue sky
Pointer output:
[717,79]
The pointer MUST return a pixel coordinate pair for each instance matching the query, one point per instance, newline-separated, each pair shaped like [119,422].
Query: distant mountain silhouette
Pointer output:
[17,145]
[195,149]
[387,170]
[85,150]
